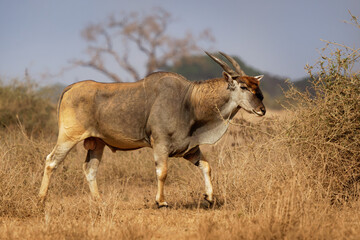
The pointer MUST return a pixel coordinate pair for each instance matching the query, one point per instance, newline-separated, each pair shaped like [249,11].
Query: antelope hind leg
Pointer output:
[95,149]
[53,160]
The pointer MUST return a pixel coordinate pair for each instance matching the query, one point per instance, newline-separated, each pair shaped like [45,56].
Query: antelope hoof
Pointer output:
[97,199]
[162,205]
[209,199]
[41,200]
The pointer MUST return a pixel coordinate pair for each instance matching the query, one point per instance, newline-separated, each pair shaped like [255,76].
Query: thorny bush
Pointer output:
[326,127]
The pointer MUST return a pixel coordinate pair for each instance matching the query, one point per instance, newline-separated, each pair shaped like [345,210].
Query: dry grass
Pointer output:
[262,189]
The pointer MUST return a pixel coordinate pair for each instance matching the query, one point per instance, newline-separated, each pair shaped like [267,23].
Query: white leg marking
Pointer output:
[90,168]
[161,173]
[206,170]
[52,161]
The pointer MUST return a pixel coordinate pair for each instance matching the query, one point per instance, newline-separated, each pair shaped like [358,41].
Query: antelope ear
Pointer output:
[227,77]
[230,80]
[259,77]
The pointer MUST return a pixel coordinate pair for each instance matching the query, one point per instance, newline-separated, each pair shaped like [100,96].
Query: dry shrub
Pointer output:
[21,103]
[326,126]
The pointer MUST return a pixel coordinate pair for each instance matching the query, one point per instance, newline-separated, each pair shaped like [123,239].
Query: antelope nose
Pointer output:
[263,110]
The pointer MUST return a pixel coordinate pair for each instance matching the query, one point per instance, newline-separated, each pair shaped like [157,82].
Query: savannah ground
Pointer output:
[262,189]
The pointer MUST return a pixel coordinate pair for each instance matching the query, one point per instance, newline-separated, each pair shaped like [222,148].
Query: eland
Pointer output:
[163,111]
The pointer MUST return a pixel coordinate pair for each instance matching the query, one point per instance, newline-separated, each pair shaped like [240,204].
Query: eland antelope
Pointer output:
[163,111]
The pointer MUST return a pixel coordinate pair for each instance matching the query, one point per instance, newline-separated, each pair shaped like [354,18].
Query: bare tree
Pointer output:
[148,33]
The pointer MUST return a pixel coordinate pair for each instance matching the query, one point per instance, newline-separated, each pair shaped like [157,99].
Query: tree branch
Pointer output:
[147,33]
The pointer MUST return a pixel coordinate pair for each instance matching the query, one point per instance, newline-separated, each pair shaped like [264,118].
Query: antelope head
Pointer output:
[244,89]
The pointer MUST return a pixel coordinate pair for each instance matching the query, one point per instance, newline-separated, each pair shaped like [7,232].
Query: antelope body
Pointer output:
[163,111]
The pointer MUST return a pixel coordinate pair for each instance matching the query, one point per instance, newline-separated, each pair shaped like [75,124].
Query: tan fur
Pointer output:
[208,96]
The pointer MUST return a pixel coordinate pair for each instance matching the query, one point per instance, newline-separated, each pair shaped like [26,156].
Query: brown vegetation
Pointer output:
[288,176]
[20,103]
[264,188]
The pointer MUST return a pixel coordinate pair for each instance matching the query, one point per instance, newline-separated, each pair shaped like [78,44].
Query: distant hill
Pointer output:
[202,67]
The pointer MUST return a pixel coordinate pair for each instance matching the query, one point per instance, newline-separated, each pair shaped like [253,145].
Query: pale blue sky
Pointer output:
[275,36]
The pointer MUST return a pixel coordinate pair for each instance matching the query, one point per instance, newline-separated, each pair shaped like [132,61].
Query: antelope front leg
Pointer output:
[161,173]
[197,158]
[206,170]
